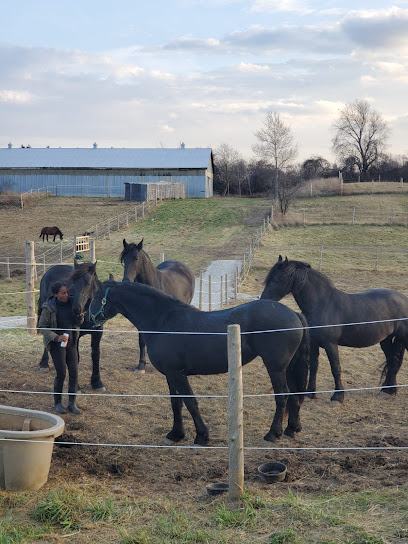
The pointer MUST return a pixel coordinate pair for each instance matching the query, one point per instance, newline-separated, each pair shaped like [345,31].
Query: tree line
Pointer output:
[359,143]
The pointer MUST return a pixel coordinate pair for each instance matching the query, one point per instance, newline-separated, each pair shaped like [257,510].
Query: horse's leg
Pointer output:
[44,361]
[293,408]
[180,383]
[177,432]
[394,352]
[140,369]
[332,351]
[96,382]
[278,379]
[314,363]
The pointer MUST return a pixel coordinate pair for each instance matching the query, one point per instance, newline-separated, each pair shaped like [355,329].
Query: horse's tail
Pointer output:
[299,365]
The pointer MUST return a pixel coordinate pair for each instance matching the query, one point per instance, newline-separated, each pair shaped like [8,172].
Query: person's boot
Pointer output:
[57,396]
[72,407]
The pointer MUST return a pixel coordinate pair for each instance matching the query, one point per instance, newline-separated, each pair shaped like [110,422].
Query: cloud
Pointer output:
[378,29]
[271,6]
[18,97]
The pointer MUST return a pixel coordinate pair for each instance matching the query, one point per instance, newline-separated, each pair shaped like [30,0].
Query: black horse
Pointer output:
[172,277]
[177,356]
[82,283]
[51,231]
[323,304]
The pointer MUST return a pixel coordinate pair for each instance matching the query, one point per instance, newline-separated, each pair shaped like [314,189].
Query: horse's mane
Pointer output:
[144,287]
[293,274]
[80,271]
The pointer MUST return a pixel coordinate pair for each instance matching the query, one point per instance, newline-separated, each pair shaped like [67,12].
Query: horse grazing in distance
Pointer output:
[82,283]
[51,231]
[324,305]
[172,277]
[198,346]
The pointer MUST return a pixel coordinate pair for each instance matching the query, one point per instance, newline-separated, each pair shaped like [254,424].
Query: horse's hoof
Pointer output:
[100,390]
[271,437]
[335,403]
[387,393]
[44,369]
[168,442]
[137,371]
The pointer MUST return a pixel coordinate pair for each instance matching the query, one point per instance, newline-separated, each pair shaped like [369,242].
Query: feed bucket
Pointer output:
[26,444]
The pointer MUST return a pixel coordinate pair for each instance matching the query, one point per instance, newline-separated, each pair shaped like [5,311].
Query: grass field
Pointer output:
[153,496]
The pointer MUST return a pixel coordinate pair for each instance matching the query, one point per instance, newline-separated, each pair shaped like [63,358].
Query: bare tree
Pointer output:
[360,133]
[275,145]
[227,164]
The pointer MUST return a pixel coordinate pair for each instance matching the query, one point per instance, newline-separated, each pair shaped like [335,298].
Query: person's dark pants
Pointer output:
[64,358]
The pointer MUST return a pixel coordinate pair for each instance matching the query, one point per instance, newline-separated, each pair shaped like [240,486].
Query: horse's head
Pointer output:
[59,233]
[283,278]
[85,284]
[100,310]
[131,260]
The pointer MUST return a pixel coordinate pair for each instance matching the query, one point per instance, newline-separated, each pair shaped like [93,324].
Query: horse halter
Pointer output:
[92,317]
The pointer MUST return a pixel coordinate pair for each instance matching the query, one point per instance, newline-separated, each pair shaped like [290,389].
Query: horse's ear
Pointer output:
[280,259]
[286,260]
[140,244]
[92,268]
[111,278]
[125,244]
[76,263]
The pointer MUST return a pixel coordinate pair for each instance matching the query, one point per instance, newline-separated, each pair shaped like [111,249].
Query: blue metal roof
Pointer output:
[104,158]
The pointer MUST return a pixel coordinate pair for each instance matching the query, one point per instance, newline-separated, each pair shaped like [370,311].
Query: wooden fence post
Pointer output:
[161,257]
[200,297]
[92,252]
[226,290]
[235,415]
[30,298]
[221,291]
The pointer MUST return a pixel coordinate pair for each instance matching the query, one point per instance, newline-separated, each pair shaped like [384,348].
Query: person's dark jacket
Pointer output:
[48,323]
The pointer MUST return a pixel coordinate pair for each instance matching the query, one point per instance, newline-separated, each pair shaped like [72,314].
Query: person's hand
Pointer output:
[61,338]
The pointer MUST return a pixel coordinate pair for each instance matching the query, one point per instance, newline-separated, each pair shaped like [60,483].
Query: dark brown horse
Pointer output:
[51,231]
[350,314]
[172,277]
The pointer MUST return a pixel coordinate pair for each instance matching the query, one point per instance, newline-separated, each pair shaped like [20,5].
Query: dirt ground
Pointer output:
[364,420]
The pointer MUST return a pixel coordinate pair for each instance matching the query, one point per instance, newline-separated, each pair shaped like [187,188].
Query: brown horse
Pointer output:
[51,231]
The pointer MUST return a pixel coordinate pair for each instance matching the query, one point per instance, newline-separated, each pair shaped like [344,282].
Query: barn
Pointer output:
[104,171]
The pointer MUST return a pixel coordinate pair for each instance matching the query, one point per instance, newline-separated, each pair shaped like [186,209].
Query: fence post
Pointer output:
[21,200]
[210,293]
[353,216]
[221,290]
[226,290]
[108,228]
[30,298]
[304,217]
[161,257]
[43,263]
[311,189]
[235,415]
[60,251]
[92,253]
[320,258]
[271,213]
[376,259]
[200,297]
[135,214]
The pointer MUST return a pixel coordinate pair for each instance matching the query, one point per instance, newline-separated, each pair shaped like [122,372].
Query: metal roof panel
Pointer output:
[104,158]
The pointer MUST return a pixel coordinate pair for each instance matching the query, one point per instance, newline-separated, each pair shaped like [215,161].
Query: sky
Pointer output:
[127,73]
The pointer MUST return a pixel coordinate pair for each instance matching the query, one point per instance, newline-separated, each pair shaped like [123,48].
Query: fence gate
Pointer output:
[81,243]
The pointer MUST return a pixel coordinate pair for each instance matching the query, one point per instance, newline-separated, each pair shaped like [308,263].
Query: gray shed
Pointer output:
[104,171]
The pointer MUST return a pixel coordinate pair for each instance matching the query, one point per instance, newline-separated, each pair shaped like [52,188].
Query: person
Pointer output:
[56,318]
